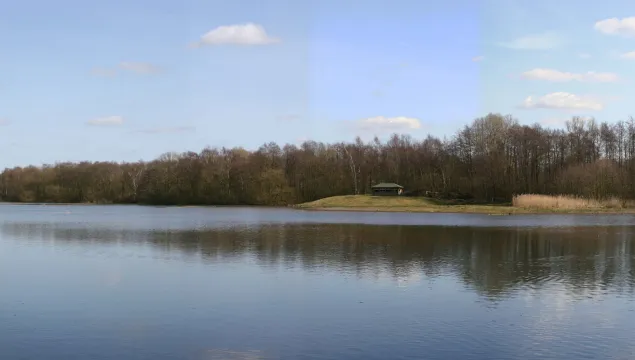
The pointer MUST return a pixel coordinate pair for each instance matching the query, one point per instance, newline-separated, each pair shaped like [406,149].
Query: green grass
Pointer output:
[422,204]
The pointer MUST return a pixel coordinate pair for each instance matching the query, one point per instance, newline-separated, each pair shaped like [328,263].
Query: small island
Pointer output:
[522,204]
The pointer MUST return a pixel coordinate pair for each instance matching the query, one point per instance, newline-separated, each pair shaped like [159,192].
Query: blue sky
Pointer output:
[127,80]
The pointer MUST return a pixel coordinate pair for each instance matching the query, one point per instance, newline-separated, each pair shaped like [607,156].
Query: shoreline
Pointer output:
[493,210]
[134,204]
[425,205]
[484,211]
[365,203]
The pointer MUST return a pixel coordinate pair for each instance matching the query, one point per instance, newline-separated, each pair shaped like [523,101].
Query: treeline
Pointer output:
[491,159]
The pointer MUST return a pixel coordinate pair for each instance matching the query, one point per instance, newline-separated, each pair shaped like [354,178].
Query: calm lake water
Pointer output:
[128,282]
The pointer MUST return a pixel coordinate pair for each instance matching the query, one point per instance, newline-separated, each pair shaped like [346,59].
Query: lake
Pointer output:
[132,282]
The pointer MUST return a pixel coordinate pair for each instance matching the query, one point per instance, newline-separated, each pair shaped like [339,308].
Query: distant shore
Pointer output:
[395,204]
[135,204]
[366,203]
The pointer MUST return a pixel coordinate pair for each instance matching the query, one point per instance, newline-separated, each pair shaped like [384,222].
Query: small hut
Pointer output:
[387,189]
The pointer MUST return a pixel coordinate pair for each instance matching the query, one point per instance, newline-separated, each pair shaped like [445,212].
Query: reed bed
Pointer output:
[567,202]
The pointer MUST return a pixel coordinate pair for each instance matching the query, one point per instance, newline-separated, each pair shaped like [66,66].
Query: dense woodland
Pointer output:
[491,159]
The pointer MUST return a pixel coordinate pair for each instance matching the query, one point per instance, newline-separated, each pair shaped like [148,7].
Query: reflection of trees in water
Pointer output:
[493,261]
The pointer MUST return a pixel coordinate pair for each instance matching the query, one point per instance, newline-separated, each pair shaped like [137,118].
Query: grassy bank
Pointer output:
[523,204]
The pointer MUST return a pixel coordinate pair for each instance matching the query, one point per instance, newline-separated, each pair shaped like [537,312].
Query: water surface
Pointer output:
[114,282]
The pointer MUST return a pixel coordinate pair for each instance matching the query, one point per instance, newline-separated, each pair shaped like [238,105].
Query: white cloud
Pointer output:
[241,34]
[615,26]
[561,100]
[167,130]
[534,42]
[628,56]
[478,58]
[106,121]
[384,124]
[139,67]
[559,76]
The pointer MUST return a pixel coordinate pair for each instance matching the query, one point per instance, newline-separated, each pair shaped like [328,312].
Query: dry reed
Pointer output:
[565,202]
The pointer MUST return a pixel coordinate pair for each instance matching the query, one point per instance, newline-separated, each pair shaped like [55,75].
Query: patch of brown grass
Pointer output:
[366,201]
[401,204]
[565,202]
